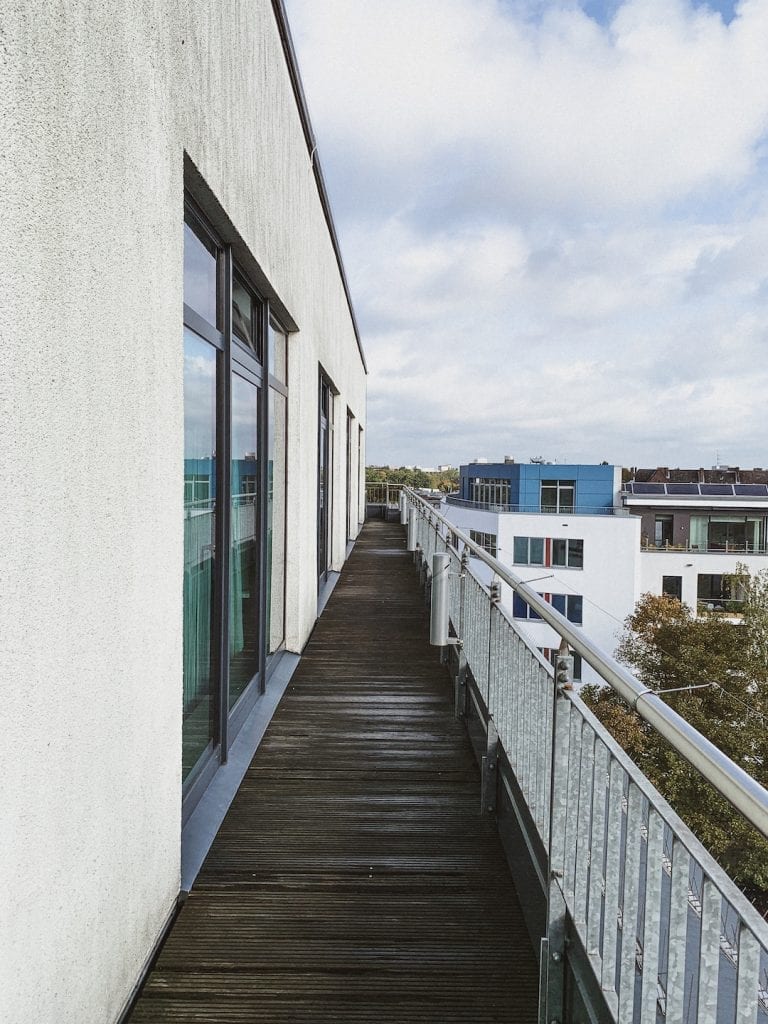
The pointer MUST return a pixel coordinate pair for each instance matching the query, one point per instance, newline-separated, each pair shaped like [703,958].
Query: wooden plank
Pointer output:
[353,879]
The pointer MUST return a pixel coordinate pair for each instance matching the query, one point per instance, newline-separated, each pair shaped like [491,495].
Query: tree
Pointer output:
[667,646]
[443,480]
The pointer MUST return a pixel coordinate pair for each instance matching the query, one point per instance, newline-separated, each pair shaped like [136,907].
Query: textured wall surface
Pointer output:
[98,104]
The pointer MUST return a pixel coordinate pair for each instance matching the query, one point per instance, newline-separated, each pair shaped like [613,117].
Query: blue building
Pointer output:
[541,487]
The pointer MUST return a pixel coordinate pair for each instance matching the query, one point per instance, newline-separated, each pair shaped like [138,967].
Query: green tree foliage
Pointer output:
[444,480]
[667,646]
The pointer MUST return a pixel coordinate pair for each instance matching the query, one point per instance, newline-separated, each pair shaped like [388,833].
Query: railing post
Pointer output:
[403,509]
[488,771]
[438,624]
[552,966]
[460,691]
[411,546]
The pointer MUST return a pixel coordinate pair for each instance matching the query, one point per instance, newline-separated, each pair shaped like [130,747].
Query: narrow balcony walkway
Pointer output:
[353,879]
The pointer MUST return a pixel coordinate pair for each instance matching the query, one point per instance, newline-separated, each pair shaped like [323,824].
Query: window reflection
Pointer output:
[278,354]
[276,521]
[243,314]
[200,273]
[199,535]
[244,556]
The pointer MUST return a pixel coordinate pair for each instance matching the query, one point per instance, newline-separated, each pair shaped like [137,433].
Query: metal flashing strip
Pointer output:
[281,17]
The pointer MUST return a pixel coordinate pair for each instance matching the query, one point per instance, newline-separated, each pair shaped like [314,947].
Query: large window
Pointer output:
[720,592]
[276,485]
[558,495]
[234,498]
[663,530]
[522,610]
[564,552]
[528,550]
[489,491]
[324,471]
[570,605]
[728,533]
[568,552]
[672,586]
[485,540]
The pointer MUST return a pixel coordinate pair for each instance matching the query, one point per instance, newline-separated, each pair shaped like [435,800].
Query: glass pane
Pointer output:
[699,530]
[548,499]
[244,554]
[278,354]
[520,549]
[558,551]
[242,312]
[199,535]
[200,266]
[276,521]
[575,609]
[566,498]
[537,551]
[576,554]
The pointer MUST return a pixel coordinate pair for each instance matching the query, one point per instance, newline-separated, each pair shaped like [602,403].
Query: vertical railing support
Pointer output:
[438,623]
[553,951]
[488,772]
[460,692]
[411,545]
[403,509]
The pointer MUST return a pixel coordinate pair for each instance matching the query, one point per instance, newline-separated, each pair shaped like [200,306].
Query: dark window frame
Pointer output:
[560,487]
[528,561]
[487,541]
[571,546]
[234,356]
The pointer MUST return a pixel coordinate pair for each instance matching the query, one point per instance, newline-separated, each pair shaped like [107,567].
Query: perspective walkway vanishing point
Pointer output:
[353,879]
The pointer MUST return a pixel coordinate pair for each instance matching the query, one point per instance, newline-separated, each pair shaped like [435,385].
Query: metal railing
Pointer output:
[637,922]
[533,508]
[385,494]
[695,549]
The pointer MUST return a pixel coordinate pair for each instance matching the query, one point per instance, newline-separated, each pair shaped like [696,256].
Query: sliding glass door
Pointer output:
[199,706]
[324,479]
[245,552]
[234,498]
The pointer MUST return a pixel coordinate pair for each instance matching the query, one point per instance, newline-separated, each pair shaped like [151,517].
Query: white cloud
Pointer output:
[664,100]
[556,231]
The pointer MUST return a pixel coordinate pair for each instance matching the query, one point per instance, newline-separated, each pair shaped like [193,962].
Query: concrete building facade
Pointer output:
[172,268]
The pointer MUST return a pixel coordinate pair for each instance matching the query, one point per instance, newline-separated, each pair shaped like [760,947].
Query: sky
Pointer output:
[554,220]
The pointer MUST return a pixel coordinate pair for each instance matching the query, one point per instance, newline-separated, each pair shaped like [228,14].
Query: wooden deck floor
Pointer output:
[353,879]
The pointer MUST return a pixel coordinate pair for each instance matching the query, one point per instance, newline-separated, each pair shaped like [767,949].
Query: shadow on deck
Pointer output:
[353,879]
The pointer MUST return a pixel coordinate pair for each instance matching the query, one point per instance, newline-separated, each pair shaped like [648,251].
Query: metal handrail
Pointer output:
[535,509]
[731,781]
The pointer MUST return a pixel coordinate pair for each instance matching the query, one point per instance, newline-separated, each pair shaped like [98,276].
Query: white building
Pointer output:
[183,438]
[592,545]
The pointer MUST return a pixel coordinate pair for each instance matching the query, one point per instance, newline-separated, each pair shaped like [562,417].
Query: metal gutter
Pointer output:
[301,102]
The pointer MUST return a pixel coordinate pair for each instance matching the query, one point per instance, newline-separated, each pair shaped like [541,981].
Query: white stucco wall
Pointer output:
[98,104]
[654,565]
[608,582]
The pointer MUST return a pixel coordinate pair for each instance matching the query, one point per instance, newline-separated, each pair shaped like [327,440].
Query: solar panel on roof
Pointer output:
[682,488]
[648,488]
[717,489]
[758,490]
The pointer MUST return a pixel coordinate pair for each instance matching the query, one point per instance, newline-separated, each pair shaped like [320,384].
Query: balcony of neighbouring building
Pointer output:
[436,828]
[536,508]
